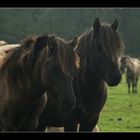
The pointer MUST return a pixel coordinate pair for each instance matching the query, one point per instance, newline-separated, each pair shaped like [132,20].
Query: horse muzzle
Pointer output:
[113,79]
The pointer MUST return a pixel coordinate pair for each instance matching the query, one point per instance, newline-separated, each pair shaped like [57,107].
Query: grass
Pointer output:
[121,112]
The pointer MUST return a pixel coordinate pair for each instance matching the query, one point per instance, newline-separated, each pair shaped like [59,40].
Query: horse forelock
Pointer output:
[28,42]
[111,42]
[67,57]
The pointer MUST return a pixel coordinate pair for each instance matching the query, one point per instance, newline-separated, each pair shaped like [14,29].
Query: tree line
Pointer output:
[18,23]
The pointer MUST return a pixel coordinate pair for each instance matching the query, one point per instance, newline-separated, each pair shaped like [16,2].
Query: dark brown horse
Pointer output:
[99,49]
[41,63]
[131,67]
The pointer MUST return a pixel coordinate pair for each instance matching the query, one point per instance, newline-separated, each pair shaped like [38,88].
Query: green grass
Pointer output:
[121,112]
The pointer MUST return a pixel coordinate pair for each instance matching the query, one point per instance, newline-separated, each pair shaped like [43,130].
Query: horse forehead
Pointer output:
[106,27]
[106,30]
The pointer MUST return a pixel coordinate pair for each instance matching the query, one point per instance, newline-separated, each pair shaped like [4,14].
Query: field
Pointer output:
[121,112]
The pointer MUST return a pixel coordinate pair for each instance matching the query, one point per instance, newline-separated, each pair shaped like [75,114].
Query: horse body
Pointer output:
[25,75]
[2,42]
[16,96]
[98,50]
[132,66]
[21,113]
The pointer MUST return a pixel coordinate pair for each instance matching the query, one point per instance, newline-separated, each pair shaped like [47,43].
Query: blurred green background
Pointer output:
[18,23]
[121,112]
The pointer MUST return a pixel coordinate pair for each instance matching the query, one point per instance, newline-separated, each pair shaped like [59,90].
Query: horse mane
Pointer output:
[84,43]
[111,39]
[67,57]
[18,64]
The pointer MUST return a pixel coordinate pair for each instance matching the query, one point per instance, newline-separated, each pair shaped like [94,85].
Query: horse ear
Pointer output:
[96,25]
[115,25]
[51,44]
[73,42]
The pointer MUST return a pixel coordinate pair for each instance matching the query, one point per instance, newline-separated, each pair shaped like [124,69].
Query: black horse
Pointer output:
[41,63]
[99,50]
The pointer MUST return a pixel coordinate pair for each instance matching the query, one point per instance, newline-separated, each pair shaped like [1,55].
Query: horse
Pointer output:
[2,42]
[99,50]
[41,63]
[131,67]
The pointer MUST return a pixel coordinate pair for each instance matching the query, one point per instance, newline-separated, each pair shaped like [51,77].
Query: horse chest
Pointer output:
[93,102]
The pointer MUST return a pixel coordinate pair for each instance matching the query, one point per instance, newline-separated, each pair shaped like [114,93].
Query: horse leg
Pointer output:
[41,125]
[128,87]
[136,83]
[30,125]
[133,86]
[41,118]
[70,123]
[88,126]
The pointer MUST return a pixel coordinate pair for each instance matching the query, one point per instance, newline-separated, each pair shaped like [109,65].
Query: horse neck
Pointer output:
[91,80]
[37,69]
[91,89]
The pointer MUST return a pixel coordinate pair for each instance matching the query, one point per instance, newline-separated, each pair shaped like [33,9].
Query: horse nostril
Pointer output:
[113,79]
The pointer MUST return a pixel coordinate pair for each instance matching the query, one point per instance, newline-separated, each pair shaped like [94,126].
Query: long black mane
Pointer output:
[19,62]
